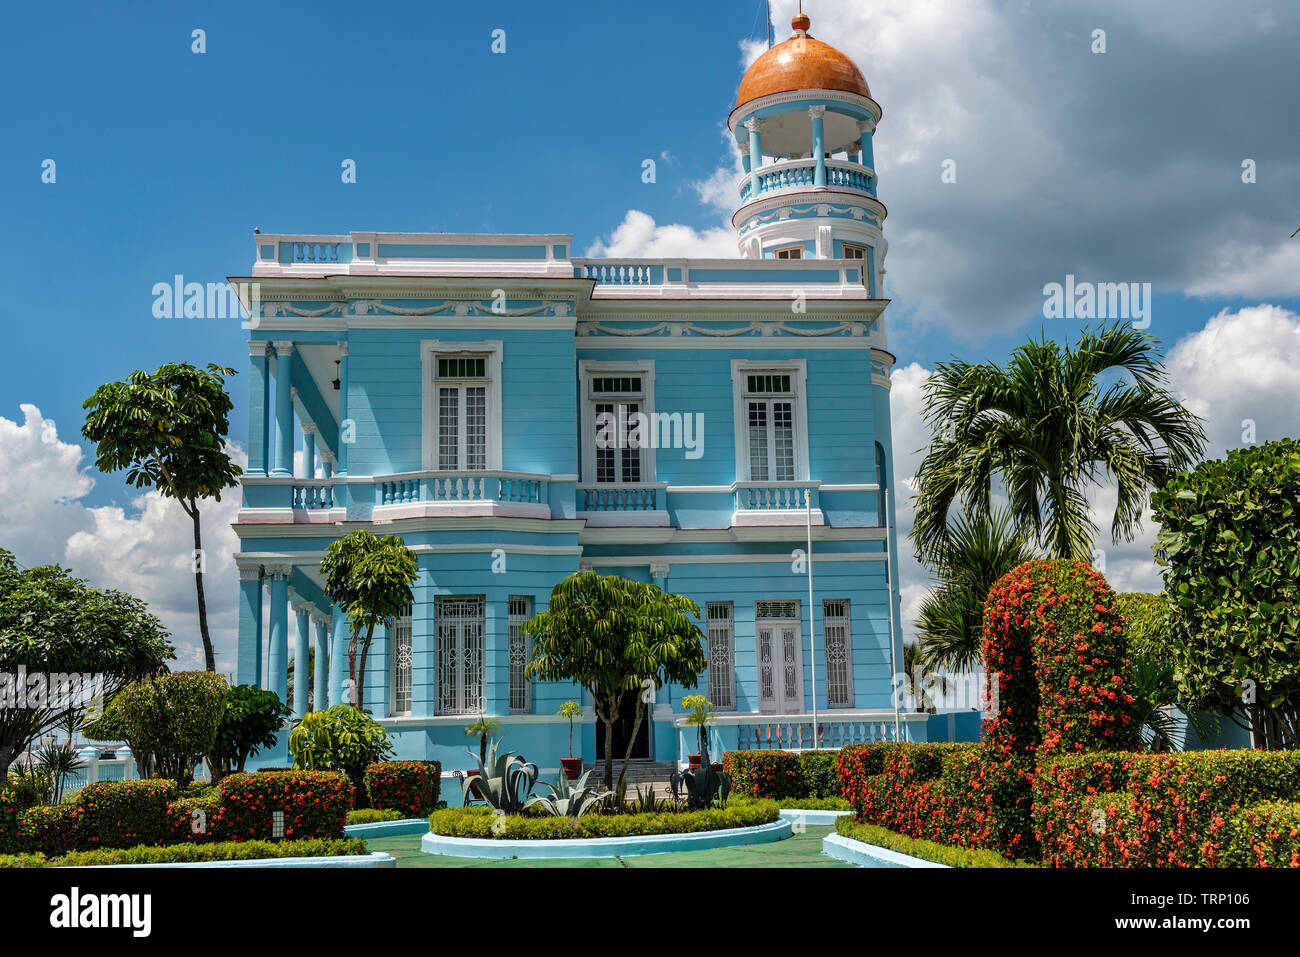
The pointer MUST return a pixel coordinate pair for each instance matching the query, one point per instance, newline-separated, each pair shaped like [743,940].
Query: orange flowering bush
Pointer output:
[765,774]
[408,786]
[315,804]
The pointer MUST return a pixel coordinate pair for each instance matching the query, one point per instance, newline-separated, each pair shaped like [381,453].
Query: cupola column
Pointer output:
[755,128]
[818,114]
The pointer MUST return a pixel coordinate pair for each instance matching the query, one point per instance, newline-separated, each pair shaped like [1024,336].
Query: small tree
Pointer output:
[616,638]
[175,717]
[253,720]
[1230,541]
[342,738]
[370,580]
[699,714]
[483,728]
[52,624]
[168,431]
[570,710]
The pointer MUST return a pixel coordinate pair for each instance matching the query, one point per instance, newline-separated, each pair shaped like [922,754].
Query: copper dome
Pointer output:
[801,63]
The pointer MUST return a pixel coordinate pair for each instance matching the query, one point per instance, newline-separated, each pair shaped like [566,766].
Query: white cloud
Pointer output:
[1250,269]
[144,549]
[639,237]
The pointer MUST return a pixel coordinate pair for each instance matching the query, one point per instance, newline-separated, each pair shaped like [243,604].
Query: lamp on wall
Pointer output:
[337,363]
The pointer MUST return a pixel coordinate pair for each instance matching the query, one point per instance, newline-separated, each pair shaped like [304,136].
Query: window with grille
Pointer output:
[462,413]
[618,443]
[838,639]
[401,657]
[518,654]
[769,406]
[783,610]
[459,649]
[721,634]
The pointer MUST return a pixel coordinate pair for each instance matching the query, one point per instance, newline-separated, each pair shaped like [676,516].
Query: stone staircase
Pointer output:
[639,773]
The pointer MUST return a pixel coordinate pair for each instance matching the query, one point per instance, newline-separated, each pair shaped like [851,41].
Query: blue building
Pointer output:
[516,414]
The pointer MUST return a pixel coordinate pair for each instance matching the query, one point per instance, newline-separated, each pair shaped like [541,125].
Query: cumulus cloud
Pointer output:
[639,236]
[1101,165]
[144,548]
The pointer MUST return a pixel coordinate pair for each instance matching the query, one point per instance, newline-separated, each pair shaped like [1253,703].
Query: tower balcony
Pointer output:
[800,175]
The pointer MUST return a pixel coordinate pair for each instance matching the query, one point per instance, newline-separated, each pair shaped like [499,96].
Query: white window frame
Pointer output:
[860,247]
[513,621]
[430,350]
[463,707]
[590,369]
[729,623]
[795,622]
[847,620]
[405,621]
[797,369]
[795,247]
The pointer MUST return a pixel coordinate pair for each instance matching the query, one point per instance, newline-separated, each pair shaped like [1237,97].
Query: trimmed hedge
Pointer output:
[765,774]
[123,813]
[820,777]
[1265,835]
[49,829]
[315,804]
[369,815]
[1192,809]
[816,804]
[477,822]
[408,786]
[193,853]
[925,850]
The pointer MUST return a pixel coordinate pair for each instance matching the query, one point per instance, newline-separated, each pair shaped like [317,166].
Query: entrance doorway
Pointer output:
[780,657]
[623,730]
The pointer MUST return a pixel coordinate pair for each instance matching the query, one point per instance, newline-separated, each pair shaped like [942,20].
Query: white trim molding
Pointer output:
[429,351]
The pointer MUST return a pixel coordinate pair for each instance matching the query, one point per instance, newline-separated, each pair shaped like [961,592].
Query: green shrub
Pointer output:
[197,820]
[925,850]
[174,717]
[1230,538]
[30,787]
[48,829]
[123,813]
[1264,835]
[765,774]
[477,822]
[408,786]
[315,804]
[342,738]
[370,815]
[815,804]
[194,853]
[252,721]
[820,777]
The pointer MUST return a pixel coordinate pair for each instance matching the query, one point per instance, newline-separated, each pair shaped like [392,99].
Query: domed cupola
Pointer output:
[803,121]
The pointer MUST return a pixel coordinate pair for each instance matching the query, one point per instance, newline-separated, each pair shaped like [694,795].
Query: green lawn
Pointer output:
[801,850]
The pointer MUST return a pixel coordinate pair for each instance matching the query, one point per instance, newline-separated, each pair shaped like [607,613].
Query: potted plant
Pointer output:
[699,713]
[572,766]
[484,727]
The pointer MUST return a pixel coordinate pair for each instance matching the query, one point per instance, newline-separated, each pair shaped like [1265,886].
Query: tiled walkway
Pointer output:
[801,850]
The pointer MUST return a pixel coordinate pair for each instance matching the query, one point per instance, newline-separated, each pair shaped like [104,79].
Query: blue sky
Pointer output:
[1122,166]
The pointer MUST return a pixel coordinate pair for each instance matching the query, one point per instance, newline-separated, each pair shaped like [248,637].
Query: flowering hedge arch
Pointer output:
[1054,641]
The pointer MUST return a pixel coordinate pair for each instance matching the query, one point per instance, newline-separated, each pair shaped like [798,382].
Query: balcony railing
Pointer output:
[774,496]
[801,174]
[313,494]
[458,487]
[621,497]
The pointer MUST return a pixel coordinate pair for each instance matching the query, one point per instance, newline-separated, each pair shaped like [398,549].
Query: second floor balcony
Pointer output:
[793,175]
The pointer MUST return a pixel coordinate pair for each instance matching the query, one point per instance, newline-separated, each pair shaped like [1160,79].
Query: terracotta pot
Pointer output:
[716,767]
[572,768]
[474,793]
[694,760]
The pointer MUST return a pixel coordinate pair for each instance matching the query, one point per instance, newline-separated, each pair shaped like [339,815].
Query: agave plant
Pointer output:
[701,787]
[571,800]
[646,802]
[504,779]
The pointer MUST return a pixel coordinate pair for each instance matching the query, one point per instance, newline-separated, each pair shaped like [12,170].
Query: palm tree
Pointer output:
[975,553]
[919,680]
[1046,429]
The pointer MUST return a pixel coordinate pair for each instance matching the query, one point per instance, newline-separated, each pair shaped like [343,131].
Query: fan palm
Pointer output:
[1043,425]
[976,552]
[920,682]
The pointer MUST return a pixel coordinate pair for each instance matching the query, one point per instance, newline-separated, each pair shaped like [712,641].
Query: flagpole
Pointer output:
[889,570]
[812,634]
